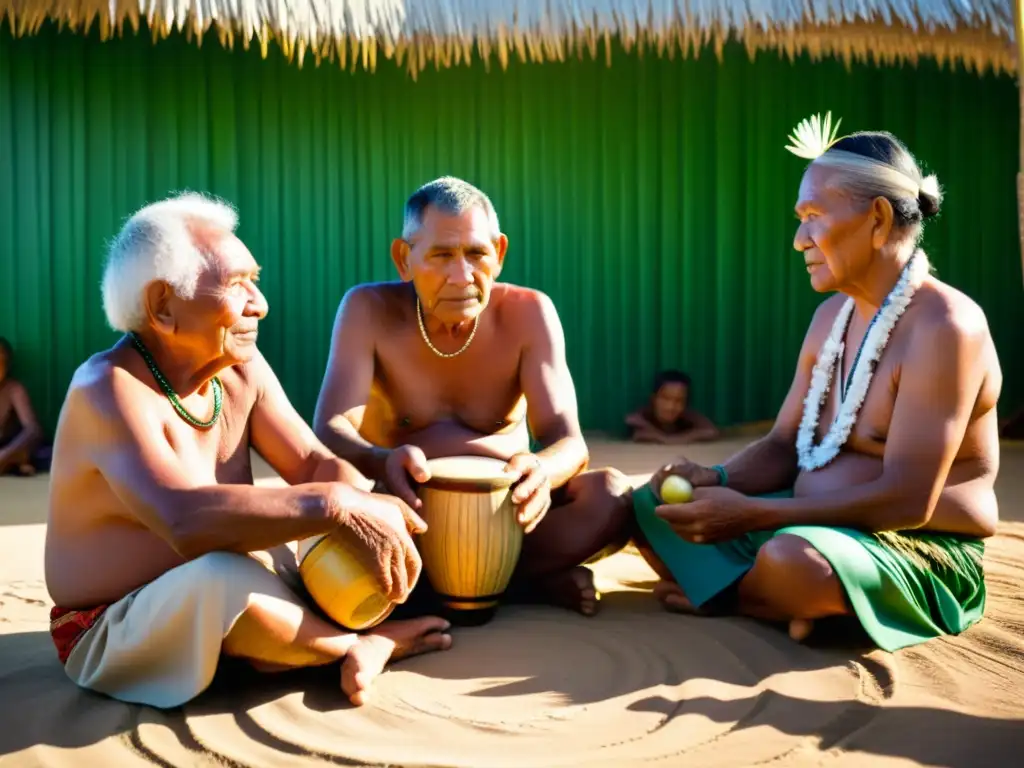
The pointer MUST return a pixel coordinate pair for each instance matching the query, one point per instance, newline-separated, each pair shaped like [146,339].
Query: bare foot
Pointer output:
[799,629]
[573,589]
[392,641]
[673,598]
[26,470]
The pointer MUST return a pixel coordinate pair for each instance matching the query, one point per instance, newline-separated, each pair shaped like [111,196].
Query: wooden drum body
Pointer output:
[332,568]
[472,543]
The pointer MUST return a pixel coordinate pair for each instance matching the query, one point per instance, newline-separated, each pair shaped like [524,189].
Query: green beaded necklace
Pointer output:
[218,392]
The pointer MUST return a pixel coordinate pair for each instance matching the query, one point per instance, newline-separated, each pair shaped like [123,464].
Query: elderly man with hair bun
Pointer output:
[161,555]
[873,492]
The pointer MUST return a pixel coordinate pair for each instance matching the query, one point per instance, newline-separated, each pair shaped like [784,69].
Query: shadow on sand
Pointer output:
[38,698]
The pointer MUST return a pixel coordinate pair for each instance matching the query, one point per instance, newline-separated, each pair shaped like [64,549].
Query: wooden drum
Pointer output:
[472,542]
[333,568]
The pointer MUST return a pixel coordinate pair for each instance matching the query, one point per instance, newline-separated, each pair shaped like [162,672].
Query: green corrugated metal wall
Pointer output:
[651,199]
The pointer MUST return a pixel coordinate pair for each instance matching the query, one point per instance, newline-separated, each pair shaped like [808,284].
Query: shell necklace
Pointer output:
[855,388]
[426,338]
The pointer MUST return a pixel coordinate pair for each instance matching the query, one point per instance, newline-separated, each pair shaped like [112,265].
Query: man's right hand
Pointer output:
[384,524]
[696,474]
[404,463]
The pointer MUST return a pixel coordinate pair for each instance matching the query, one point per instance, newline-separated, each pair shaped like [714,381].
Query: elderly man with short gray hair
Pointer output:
[448,361]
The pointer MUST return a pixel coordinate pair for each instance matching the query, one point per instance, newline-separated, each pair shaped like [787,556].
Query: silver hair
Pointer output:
[451,195]
[157,243]
[897,177]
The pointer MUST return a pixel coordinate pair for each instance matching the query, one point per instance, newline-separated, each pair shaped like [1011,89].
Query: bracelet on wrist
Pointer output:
[723,476]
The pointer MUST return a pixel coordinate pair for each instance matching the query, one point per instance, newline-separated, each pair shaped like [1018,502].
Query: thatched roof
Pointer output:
[977,34]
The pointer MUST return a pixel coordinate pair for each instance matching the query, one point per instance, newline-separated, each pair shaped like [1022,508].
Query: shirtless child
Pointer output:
[21,438]
[668,417]
[448,361]
[872,497]
[153,512]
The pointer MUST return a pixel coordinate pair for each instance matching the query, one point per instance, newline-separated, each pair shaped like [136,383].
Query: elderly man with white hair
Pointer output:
[161,554]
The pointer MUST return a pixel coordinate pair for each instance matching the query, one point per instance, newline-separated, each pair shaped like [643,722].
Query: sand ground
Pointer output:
[543,687]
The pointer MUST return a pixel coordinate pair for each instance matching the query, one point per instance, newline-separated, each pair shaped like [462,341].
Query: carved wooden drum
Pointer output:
[473,542]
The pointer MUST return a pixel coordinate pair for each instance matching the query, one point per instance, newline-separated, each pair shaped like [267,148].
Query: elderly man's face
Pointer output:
[221,320]
[835,233]
[453,263]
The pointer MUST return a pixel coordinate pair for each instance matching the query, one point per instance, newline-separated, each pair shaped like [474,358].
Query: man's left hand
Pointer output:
[714,514]
[532,490]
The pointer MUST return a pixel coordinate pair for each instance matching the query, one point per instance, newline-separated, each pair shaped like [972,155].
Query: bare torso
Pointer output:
[386,388]
[970,485]
[96,550]
[471,404]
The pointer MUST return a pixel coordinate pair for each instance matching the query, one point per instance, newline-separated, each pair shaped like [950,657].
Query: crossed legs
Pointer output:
[277,631]
[590,518]
[789,582]
[275,635]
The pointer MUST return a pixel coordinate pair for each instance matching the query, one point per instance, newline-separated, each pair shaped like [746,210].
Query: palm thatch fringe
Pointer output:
[978,34]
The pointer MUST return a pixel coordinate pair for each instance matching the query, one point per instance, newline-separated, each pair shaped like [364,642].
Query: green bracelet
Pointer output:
[723,476]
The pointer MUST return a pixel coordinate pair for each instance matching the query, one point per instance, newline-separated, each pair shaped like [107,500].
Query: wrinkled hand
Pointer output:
[697,475]
[404,463]
[384,525]
[714,514]
[532,490]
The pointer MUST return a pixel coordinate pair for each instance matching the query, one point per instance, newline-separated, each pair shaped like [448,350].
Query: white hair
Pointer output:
[157,243]
[451,195]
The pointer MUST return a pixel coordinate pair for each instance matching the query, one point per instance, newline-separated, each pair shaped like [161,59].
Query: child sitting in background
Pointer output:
[667,418]
[22,450]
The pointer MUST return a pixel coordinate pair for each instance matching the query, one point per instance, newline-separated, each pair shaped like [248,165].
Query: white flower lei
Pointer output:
[812,456]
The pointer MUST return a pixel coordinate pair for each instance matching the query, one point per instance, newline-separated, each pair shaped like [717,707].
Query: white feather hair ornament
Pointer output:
[813,136]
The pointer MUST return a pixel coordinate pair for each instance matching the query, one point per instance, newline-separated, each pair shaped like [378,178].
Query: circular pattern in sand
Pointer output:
[541,687]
